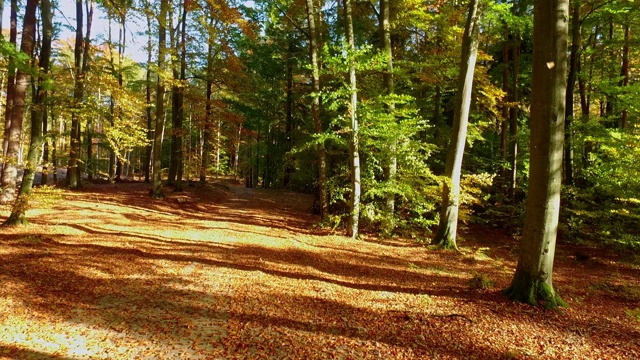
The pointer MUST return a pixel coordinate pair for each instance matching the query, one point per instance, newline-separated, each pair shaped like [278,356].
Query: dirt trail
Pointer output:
[225,272]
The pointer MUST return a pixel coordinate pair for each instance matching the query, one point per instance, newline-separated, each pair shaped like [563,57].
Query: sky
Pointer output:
[65,15]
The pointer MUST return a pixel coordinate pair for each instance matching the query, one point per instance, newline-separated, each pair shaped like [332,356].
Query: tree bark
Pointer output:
[532,282]
[315,110]
[624,72]
[156,191]
[11,84]
[352,228]
[513,116]
[10,170]
[148,148]
[391,166]
[571,84]
[504,124]
[446,233]
[20,206]
[73,175]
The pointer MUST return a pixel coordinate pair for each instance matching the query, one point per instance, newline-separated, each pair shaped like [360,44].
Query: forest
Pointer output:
[311,179]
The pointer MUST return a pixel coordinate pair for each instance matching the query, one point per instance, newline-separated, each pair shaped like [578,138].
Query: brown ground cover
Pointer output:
[224,272]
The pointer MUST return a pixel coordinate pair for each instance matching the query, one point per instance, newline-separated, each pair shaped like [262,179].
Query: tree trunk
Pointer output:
[288,167]
[513,118]
[391,166]
[352,228]
[38,109]
[571,84]
[532,282]
[156,191]
[10,170]
[148,147]
[624,72]
[446,234]
[315,110]
[11,85]
[504,124]
[73,173]
[179,101]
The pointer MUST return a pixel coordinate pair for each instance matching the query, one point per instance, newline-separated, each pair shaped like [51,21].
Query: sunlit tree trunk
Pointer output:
[391,166]
[315,110]
[178,102]
[73,173]
[156,191]
[11,87]
[18,211]
[532,282]
[445,236]
[352,228]
[10,170]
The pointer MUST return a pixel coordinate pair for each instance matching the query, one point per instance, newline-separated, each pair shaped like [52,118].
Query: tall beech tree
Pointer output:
[532,282]
[11,80]
[38,111]
[19,106]
[445,236]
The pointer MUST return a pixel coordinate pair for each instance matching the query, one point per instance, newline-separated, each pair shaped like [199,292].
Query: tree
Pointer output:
[532,282]
[446,233]
[156,191]
[352,229]
[391,167]
[315,108]
[38,111]
[10,170]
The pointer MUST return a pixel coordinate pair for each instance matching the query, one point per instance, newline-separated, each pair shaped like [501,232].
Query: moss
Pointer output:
[16,220]
[530,290]
[444,240]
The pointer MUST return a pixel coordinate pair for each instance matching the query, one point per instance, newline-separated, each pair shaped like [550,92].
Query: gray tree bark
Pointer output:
[446,233]
[532,282]
[10,170]
[352,228]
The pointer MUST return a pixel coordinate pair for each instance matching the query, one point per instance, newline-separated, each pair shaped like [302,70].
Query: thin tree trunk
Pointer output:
[288,167]
[179,101]
[504,124]
[11,82]
[391,166]
[73,178]
[159,128]
[532,282]
[352,228]
[18,109]
[571,84]
[445,236]
[513,118]
[624,72]
[150,130]
[315,110]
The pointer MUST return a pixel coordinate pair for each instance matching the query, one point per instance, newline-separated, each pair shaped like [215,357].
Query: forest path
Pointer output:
[225,272]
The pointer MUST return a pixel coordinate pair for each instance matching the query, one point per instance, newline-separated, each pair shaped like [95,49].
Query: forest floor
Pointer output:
[225,272]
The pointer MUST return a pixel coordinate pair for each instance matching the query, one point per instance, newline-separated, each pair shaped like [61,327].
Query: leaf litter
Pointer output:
[225,272]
